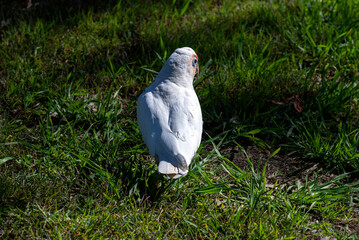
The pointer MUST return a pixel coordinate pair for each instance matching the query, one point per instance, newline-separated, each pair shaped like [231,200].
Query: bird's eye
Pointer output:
[194,62]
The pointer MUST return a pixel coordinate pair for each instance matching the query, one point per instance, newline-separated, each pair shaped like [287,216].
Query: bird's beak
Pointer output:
[197,71]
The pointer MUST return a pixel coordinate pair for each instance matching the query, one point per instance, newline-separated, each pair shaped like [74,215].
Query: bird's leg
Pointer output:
[157,159]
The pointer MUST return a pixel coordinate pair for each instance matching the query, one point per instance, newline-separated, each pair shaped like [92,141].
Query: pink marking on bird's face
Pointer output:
[194,63]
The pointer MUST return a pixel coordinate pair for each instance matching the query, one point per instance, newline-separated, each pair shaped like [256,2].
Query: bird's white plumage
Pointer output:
[169,114]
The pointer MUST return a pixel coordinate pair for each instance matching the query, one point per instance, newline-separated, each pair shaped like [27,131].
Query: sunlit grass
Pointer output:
[279,75]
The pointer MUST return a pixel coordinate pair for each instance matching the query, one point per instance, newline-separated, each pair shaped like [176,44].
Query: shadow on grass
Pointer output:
[129,177]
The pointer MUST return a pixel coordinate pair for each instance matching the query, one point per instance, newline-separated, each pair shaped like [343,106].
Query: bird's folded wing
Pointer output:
[185,127]
[146,118]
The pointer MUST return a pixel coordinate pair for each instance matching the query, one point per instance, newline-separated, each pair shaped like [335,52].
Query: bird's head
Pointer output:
[182,65]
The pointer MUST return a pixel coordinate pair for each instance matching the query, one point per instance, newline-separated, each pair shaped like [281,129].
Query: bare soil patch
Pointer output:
[283,167]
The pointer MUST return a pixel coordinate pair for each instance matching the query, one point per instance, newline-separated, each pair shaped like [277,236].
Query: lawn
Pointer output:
[278,87]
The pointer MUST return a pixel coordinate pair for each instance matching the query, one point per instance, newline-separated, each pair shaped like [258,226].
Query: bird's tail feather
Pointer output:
[171,171]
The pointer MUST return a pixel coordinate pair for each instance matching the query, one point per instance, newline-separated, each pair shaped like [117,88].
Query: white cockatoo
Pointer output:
[169,114]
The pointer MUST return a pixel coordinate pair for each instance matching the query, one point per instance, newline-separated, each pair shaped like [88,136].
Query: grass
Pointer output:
[278,75]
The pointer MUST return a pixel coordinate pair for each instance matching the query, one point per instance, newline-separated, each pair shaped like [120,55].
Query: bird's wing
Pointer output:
[147,118]
[185,123]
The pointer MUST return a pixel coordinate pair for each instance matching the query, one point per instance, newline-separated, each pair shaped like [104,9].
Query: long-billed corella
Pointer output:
[169,114]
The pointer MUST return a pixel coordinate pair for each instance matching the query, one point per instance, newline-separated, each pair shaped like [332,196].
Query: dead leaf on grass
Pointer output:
[297,102]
